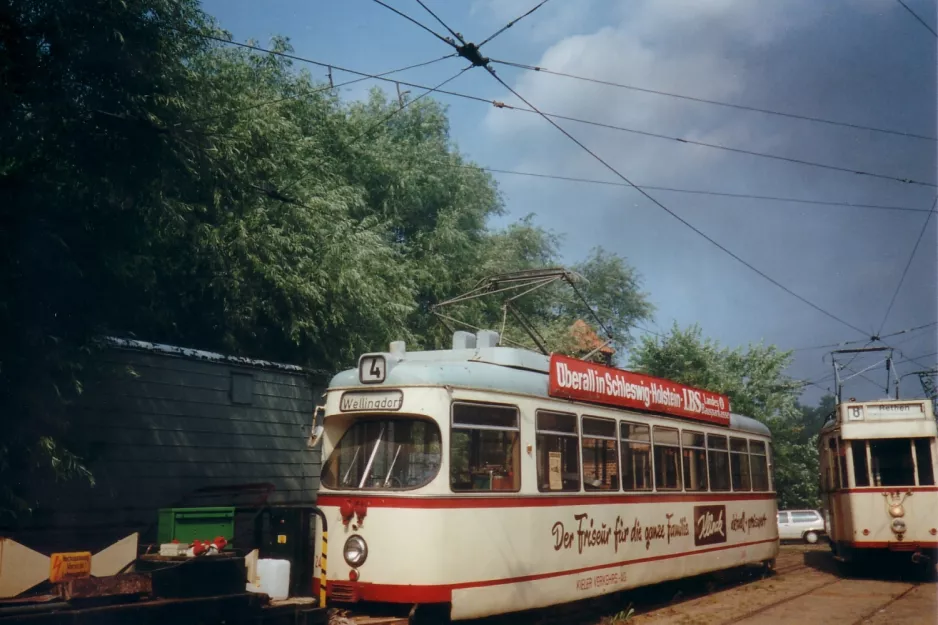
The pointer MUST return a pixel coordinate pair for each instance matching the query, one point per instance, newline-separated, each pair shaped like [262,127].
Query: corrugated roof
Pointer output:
[198,354]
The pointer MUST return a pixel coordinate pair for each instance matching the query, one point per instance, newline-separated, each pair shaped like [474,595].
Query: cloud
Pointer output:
[799,56]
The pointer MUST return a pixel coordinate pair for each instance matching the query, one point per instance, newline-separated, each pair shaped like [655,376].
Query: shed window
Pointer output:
[718,460]
[739,464]
[484,448]
[600,455]
[667,459]
[558,456]
[242,388]
[694,453]
[636,456]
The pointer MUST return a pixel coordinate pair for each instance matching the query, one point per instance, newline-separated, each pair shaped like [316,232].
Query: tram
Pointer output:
[878,489]
[485,480]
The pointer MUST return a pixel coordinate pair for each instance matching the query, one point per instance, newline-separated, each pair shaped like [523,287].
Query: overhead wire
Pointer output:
[411,19]
[322,89]
[442,23]
[511,23]
[748,196]
[905,271]
[387,118]
[502,105]
[916,16]
[547,117]
[716,146]
[742,107]
[880,337]
[675,215]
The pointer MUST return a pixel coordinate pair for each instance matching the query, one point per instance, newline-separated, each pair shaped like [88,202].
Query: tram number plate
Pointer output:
[372,369]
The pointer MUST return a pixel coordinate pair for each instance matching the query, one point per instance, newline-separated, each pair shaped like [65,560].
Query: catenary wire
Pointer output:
[743,107]
[310,92]
[908,264]
[498,104]
[548,118]
[512,23]
[442,23]
[385,119]
[675,215]
[698,191]
[916,16]
[883,336]
[410,19]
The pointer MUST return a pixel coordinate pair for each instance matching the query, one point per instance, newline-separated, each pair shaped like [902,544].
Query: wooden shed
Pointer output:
[169,422]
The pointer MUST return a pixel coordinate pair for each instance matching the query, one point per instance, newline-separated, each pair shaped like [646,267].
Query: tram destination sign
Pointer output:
[589,382]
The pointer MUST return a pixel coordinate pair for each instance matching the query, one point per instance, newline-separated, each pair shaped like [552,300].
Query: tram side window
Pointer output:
[667,459]
[842,460]
[694,452]
[892,462]
[718,459]
[926,473]
[636,456]
[739,464]
[760,465]
[600,455]
[831,467]
[558,455]
[484,448]
[861,471]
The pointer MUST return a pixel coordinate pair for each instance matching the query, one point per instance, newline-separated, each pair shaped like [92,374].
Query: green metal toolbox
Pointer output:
[189,524]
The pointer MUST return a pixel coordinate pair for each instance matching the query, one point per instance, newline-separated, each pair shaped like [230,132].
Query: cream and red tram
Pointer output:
[488,480]
[878,488]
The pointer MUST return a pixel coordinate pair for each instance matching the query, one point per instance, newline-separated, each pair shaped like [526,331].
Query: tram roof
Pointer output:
[495,368]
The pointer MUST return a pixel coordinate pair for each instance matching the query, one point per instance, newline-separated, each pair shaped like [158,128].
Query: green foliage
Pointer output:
[158,184]
[623,616]
[755,382]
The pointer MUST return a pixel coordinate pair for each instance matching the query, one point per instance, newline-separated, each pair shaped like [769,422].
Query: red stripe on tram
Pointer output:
[443,593]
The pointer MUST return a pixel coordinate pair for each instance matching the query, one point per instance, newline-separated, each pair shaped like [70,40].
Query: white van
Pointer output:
[806,525]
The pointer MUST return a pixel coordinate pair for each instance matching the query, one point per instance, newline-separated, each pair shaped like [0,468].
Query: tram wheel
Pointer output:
[811,538]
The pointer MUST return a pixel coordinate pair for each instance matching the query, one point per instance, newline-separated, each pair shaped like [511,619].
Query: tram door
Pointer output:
[830,480]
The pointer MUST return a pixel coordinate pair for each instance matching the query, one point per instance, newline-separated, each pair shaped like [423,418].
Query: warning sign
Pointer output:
[66,566]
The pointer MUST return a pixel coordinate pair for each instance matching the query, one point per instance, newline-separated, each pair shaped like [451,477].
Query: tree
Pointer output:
[157,183]
[813,419]
[757,387]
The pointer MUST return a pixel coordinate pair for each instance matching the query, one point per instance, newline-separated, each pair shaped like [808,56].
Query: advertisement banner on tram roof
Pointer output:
[579,380]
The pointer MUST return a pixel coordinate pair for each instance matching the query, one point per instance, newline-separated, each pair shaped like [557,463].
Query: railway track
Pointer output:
[806,586]
[866,617]
[811,590]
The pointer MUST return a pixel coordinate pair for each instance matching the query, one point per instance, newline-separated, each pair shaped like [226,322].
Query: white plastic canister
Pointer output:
[273,577]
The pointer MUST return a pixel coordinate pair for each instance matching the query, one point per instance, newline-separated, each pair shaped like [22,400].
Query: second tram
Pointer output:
[486,480]
[878,487]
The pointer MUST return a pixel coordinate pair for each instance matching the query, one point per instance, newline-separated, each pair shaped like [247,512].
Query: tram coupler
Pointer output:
[918,557]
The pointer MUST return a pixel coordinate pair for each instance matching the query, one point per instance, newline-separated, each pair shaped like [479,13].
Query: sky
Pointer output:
[861,62]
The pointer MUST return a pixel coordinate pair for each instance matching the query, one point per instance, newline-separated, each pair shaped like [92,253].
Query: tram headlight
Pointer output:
[897,511]
[898,526]
[355,550]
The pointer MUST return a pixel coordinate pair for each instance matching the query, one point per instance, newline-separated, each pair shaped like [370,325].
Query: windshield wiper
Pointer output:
[351,465]
[391,468]
[371,459]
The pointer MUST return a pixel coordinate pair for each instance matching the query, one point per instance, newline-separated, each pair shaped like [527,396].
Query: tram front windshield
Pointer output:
[384,454]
